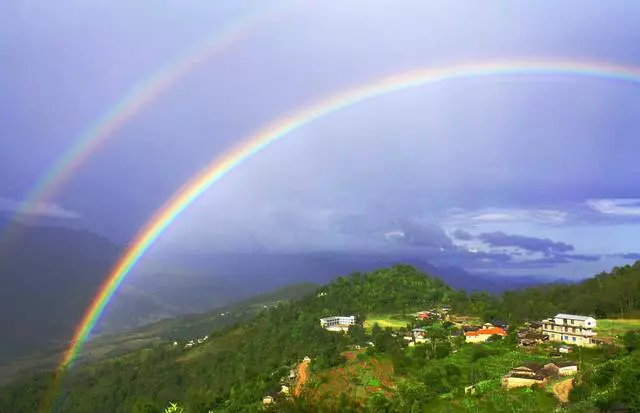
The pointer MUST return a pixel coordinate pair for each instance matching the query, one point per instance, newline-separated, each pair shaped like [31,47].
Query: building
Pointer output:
[529,337]
[529,374]
[567,368]
[499,323]
[572,329]
[483,334]
[337,323]
[565,349]
[423,315]
[419,335]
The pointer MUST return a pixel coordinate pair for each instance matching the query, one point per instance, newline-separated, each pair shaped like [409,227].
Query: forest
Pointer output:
[241,363]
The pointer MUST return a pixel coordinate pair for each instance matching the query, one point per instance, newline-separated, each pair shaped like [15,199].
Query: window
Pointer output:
[574,339]
[566,337]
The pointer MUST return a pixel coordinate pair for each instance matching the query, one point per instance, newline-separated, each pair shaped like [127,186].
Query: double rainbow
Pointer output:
[252,145]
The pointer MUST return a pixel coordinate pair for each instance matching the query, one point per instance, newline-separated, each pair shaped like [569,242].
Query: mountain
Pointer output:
[182,328]
[51,274]
[271,269]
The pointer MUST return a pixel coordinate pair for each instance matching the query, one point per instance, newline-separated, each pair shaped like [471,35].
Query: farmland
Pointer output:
[614,327]
[386,321]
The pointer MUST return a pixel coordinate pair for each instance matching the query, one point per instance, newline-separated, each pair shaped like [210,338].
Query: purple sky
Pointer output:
[511,176]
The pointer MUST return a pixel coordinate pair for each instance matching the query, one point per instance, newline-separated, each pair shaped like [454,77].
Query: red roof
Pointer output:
[487,332]
[423,316]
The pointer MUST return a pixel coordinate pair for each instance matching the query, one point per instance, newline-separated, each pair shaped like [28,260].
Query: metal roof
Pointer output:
[572,317]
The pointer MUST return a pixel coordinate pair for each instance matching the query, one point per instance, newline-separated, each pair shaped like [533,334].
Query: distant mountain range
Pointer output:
[269,270]
[50,275]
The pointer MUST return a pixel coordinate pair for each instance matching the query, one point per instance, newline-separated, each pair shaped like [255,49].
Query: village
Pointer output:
[559,336]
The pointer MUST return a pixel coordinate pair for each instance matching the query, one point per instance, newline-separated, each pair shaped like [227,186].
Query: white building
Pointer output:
[572,329]
[337,323]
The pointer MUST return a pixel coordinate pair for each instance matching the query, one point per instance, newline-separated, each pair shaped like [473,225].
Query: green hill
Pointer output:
[252,354]
[238,364]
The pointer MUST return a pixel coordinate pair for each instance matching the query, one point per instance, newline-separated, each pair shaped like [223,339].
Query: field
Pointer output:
[611,327]
[385,321]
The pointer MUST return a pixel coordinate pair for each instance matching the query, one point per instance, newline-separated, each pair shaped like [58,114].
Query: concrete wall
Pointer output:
[568,371]
[514,382]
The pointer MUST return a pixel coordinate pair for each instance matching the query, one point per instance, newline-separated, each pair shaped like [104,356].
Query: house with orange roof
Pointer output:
[483,334]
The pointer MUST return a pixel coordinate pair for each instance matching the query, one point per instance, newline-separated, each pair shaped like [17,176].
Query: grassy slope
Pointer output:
[385,320]
[614,327]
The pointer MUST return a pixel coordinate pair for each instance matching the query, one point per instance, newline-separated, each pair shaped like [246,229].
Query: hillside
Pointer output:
[241,363]
[244,357]
[51,274]
[182,329]
[606,295]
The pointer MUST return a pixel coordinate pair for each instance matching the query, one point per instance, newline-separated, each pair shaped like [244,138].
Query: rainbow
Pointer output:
[137,98]
[221,166]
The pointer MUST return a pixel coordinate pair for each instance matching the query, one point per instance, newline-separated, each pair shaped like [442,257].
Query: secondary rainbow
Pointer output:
[221,166]
[138,97]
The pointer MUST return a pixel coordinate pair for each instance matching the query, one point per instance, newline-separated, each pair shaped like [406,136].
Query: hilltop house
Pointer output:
[572,329]
[483,334]
[337,323]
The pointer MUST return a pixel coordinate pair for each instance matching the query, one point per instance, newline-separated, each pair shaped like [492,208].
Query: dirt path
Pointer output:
[303,376]
[562,389]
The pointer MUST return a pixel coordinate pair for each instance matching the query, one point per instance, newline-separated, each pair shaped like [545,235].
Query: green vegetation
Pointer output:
[607,295]
[615,327]
[386,320]
[244,361]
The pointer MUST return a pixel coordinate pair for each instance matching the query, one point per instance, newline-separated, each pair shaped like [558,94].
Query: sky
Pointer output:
[515,176]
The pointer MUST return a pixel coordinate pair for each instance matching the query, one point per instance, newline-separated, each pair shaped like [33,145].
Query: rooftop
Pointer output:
[572,317]
[566,363]
[487,331]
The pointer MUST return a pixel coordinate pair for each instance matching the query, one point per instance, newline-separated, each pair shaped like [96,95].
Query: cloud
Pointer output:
[628,256]
[427,235]
[42,209]
[507,215]
[580,257]
[462,235]
[543,245]
[616,206]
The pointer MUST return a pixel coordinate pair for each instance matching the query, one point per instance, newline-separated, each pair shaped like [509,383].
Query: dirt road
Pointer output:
[303,376]
[562,389]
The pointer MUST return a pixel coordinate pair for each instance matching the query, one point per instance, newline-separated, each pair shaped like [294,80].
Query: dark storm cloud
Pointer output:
[462,235]
[580,257]
[533,244]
